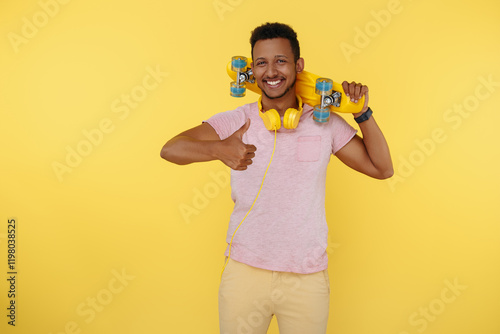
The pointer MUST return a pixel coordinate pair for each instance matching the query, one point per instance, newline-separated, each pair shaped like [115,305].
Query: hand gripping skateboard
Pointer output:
[322,93]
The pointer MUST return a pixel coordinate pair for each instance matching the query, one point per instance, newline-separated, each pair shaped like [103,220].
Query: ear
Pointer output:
[299,66]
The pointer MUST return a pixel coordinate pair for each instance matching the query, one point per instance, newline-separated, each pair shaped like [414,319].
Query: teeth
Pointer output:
[273,83]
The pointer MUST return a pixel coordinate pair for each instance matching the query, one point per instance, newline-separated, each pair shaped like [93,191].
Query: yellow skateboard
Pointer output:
[322,93]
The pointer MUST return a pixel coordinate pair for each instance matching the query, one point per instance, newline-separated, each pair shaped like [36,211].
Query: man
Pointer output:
[278,262]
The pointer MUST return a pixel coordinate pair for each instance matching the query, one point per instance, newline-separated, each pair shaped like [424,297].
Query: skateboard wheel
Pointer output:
[238,90]
[238,63]
[321,115]
[324,86]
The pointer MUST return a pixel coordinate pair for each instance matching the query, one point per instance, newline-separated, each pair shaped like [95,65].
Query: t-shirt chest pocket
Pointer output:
[308,148]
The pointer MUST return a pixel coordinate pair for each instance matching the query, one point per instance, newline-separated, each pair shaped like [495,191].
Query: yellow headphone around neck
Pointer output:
[272,118]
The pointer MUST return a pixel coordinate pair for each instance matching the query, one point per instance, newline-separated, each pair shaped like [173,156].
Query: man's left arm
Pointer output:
[369,155]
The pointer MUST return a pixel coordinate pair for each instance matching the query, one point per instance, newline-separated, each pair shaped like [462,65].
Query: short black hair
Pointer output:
[276,30]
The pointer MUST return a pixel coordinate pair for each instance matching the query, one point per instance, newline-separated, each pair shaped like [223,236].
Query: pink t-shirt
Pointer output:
[286,229]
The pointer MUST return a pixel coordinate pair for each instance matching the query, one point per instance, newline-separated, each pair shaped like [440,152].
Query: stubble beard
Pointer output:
[284,93]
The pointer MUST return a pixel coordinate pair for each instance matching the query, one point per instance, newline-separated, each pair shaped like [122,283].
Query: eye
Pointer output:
[260,63]
[281,61]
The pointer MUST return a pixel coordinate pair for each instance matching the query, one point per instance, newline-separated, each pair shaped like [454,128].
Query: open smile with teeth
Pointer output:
[274,83]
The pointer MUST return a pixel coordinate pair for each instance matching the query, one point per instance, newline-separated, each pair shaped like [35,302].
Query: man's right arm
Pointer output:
[202,143]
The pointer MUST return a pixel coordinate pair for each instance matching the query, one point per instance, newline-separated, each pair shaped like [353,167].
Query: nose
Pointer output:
[271,70]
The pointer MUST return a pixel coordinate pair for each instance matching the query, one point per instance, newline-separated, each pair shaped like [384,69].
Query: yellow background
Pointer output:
[394,245]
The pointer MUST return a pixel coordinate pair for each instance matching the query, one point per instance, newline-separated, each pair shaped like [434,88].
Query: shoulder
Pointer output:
[240,113]
[227,122]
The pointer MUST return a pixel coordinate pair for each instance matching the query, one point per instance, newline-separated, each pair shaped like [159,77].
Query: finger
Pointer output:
[345,87]
[357,92]
[364,90]
[244,162]
[250,155]
[366,100]
[251,148]
[352,86]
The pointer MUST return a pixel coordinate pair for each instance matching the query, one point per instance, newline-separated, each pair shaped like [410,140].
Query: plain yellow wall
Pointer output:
[112,239]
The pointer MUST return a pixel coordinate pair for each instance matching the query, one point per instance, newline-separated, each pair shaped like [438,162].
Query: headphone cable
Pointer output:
[230,243]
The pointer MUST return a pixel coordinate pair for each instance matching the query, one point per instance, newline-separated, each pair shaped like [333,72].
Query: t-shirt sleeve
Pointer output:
[227,122]
[343,132]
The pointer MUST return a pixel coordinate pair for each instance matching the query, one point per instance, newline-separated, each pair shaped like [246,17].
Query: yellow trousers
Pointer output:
[249,297]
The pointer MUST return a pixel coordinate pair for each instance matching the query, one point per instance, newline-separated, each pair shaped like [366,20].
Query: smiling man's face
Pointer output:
[274,68]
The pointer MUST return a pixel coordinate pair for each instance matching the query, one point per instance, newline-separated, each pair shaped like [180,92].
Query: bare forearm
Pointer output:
[376,147]
[183,150]
[202,143]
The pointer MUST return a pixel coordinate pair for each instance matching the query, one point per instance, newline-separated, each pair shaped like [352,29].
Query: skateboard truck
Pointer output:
[329,97]
[239,65]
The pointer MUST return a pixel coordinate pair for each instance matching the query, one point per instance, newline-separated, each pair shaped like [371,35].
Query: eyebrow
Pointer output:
[277,56]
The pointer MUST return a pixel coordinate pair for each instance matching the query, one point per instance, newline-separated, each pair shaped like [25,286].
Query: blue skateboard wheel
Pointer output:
[321,115]
[237,90]
[323,85]
[238,63]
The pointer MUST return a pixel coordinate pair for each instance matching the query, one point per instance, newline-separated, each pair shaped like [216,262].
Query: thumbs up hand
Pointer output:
[234,152]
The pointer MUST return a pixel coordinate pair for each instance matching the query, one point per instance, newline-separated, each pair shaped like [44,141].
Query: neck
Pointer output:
[289,100]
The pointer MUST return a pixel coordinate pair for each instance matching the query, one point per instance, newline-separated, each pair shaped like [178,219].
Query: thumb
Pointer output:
[366,101]
[244,128]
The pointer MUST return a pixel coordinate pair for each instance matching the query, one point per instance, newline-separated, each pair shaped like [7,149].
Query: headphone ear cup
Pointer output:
[271,119]
[292,118]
